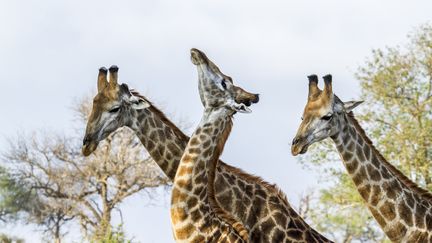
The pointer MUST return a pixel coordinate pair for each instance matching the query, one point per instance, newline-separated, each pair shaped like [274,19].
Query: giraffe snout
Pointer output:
[295,141]
[256,99]
[86,140]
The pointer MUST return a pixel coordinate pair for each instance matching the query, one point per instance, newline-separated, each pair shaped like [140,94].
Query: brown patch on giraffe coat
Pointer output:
[198,239]
[161,135]
[398,230]
[405,213]
[278,236]
[195,215]
[388,211]
[193,141]
[381,221]
[192,202]
[295,234]
[373,173]
[428,221]
[375,195]
[185,232]
[419,221]
[187,158]
[388,187]
[352,166]
[184,184]
[347,156]
[359,176]
[150,145]
[206,144]
[365,191]
[184,170]
[195,150]
[178,214]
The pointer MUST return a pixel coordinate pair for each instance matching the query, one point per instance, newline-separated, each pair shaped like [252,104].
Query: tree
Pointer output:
[396,84]
[10,239]
[87,190]
[14,197]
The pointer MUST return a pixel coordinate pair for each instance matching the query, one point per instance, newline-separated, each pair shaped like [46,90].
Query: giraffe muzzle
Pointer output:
[299,146]
[89,146]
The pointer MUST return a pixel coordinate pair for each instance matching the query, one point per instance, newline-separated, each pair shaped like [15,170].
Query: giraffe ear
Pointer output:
[350,105]
[137,103]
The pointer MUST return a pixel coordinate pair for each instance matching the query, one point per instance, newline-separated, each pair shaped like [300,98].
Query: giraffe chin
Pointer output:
[89,148]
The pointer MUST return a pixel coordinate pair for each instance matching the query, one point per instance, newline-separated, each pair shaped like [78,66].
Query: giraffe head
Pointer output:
[217,89]
[322,115]
[111,109]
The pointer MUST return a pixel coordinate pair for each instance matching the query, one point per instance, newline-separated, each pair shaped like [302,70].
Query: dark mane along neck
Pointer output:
[162,116]
[403,179]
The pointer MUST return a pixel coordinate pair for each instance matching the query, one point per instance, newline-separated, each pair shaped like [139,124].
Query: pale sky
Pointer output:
[50,52]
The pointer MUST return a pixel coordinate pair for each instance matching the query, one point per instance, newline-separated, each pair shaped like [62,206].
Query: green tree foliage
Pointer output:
[15,197]
[396,85]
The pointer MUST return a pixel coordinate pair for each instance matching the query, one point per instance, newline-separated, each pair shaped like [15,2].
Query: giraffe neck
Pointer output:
[196,175]
[247,197]
[162,139]
[402,209]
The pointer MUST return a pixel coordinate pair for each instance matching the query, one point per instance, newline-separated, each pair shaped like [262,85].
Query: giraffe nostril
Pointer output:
[295,141]
[86,140]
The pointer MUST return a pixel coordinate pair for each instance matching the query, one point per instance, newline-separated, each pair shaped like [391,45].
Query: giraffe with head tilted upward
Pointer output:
[261,207]
[195,215]
[402,209]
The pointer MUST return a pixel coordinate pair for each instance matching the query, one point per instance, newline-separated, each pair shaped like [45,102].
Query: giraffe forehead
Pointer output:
[106,96]
[317,107]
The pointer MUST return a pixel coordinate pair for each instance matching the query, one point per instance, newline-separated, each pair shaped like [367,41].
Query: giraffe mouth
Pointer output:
[299,147]
[88,148]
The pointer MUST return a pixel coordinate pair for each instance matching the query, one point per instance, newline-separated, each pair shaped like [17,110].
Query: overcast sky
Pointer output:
[50,52]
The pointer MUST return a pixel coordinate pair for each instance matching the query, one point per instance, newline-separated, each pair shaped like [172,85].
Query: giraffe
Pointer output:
[262,208]
[195,214]
[402,209]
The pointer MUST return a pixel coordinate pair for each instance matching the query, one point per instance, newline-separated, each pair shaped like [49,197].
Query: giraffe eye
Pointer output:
[115,109]
[224,84]
[327,117]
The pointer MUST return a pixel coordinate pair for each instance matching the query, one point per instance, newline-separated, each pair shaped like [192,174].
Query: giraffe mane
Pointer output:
[404,179]
[162,116]
[256,179]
